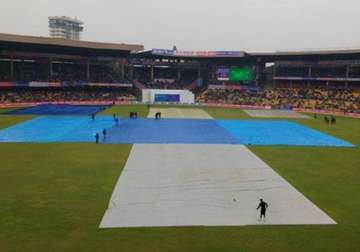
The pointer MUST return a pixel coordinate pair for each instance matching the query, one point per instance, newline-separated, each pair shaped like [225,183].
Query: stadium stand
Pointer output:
[319,98]
[165,78]
[32,95]
[36,69]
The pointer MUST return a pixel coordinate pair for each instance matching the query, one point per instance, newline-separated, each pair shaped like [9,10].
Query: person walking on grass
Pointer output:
[97,138]
[104,133]
[326,119]
[332,120]
[263,206]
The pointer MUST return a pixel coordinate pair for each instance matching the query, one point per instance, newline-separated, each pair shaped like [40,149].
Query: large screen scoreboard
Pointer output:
[235,74]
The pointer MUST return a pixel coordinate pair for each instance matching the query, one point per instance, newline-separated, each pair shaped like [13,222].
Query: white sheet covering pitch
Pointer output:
[203,185]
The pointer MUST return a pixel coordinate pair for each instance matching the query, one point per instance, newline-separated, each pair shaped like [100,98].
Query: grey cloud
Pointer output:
[252,25]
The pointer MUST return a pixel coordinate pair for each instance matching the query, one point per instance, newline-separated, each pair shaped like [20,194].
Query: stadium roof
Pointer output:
[11,38]
[338,54]
[312,52]
[179,54]
[241,56]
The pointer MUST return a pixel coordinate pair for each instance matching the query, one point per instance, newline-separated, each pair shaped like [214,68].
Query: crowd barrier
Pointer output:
[9,84]
[28,104]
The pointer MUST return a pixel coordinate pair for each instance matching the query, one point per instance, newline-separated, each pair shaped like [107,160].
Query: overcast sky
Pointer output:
[250,25]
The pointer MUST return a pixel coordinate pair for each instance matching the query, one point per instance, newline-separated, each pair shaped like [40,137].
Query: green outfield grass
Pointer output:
[53,196]
[4,110]
[8,120]
[184,106]
[220,113]
[124,110]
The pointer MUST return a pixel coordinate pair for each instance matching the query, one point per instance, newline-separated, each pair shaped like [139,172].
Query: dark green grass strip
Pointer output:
[231,113]
[4,110]
[8,120]
[124,110]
